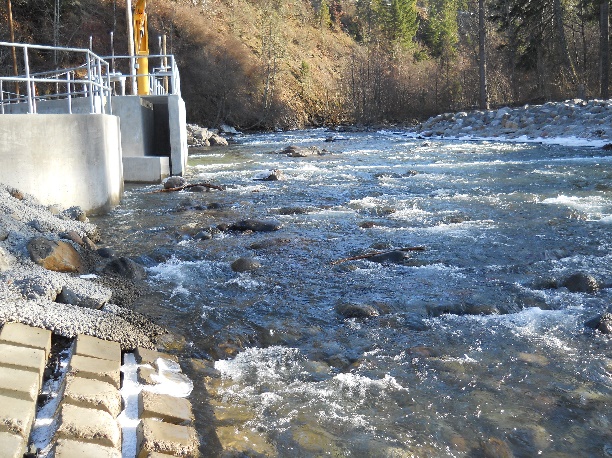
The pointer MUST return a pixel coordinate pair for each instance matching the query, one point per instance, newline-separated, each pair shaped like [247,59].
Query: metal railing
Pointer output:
[96,78]
[163,79]
[90,79]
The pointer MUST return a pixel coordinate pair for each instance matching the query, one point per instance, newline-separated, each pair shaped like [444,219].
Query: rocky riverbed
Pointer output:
[53,276]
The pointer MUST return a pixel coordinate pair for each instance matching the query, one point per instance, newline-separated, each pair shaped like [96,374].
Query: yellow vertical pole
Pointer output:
[141,43]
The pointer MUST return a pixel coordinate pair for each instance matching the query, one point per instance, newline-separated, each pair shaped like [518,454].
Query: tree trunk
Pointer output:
[564,54]
[482,56]
[604,49]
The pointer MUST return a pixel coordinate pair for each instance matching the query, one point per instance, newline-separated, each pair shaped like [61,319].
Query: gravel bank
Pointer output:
[578,122]
[65,303]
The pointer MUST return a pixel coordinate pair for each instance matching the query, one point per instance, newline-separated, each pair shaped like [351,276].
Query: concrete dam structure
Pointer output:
[72,136]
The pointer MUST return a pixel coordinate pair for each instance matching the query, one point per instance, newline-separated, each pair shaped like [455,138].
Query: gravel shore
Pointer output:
[67,303]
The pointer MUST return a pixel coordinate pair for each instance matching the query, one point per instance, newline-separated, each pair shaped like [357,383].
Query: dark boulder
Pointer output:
[126,268]
[255,226]
[245,265]
[174,182]
[298,151]
[350,310]
[602,323]
[582,283]
[270,175]
[392,257]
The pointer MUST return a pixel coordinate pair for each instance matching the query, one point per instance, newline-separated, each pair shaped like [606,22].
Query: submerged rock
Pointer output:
[255,226]
[245,265]
[602,323]
[270,175]
[392,257]
[349,310]
[461,309]
[582,283]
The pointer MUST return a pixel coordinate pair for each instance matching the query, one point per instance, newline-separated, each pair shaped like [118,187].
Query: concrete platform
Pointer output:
[145,169]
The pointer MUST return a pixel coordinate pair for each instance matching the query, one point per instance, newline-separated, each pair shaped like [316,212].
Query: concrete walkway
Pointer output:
[82,409]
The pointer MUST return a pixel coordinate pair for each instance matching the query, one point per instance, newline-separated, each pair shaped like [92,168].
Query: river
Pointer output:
[289,373]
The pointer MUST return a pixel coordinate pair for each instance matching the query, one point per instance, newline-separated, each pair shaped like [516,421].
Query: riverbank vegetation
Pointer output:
[265,64]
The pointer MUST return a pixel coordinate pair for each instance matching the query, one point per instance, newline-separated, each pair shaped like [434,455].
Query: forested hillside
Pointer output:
[261,64]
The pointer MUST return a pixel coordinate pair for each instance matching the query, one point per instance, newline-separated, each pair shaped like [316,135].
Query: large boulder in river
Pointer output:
[55,255]
[582,283]
[5,262]
[255,226]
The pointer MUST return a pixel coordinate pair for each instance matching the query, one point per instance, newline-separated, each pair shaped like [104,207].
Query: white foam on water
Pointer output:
[245,281]
[593,206]
[45,424]
[181,273]
[128,418]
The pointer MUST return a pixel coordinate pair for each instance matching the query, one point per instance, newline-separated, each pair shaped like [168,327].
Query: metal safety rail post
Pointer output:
[163,80]
[96,82]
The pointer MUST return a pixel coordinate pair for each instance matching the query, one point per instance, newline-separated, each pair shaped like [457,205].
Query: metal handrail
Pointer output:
[96,84]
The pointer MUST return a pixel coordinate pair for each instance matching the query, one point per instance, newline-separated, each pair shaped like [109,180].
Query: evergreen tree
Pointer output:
[402,22]
[442,31]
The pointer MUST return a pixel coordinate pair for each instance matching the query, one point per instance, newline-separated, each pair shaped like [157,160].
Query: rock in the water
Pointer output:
[602,323]
[496,448]
[297,151]
[349,310]
[255,226]
[126,268]
[270,175]
[58,256]
[392,257]
[217,140]
[174,182]
[245,265]
[3,234]
[582,283]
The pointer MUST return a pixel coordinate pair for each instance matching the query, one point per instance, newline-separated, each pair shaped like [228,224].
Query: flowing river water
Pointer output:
[511,371]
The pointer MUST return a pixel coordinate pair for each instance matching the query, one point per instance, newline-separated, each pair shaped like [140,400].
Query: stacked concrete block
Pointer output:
[166,422]
[92,401]
[23,354]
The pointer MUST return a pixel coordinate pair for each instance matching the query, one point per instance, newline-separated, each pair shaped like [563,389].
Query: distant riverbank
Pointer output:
[573,122]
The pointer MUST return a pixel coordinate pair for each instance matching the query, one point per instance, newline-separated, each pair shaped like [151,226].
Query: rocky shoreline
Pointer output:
[578,122]
[53,276]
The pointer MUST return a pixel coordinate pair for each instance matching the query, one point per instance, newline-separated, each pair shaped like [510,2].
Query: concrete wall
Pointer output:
[63,159]
[137,124]
[178,134]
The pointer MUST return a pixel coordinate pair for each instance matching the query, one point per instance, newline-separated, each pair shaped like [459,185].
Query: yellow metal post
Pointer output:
[141,43]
